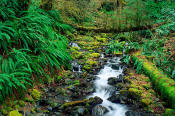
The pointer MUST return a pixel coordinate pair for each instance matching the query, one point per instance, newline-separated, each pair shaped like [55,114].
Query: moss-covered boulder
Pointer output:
[146,101]
[15,113]
[135,93]
[36,94]
[95,55]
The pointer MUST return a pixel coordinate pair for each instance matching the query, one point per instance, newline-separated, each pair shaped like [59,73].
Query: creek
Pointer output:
[105,91]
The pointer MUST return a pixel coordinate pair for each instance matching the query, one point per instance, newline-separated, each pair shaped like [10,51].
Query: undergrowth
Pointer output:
[31,45]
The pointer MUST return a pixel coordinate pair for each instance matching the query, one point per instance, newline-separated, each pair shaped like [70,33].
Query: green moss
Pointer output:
[33,110]
[95,55]
[36,94]
[77,55]
[87,67]
[21,103]
[61,91]
[104,35]
[74,48]
[134,92]
[29,99]
[75,103]
[146,101]
[162,83]
[92,62]
[101,39]
[147,86]
[15,113]
[16,106]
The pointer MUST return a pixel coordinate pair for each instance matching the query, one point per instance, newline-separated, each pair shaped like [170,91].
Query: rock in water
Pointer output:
[114,80]
[115,66]
[115,98]
[139,113]
[99,110]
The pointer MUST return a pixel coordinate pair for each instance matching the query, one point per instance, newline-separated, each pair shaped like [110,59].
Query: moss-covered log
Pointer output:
[162,83]
[115,30]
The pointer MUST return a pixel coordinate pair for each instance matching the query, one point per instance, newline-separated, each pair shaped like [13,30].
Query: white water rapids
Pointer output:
[104,90]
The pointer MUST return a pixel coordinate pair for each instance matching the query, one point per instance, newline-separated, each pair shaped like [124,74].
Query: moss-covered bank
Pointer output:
[162,83]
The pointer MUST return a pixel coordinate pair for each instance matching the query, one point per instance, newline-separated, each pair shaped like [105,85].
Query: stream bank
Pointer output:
[95,85]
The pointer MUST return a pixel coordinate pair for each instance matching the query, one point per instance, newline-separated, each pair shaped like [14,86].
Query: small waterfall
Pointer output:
[104,90]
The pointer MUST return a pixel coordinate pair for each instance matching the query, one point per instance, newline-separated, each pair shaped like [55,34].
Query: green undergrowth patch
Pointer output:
[32,46]
[162,83]
[141,90]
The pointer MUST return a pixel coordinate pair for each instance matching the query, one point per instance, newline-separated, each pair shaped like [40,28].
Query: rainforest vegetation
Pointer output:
[53,51]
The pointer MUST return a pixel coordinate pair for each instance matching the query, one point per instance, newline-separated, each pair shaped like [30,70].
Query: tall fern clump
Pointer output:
[30,44]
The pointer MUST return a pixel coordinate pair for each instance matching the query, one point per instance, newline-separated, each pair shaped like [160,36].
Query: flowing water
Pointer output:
[104,90]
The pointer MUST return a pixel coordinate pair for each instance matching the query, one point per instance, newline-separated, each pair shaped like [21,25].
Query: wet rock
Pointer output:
[139,113]
[95,101]
[99,110]
[89,90]
[49,109]
[58,114]
[75,66]
[43,102]
[28,113]
[115,66]
[112,61]
[80,110]
[119,86]
[115,98]
[114,80]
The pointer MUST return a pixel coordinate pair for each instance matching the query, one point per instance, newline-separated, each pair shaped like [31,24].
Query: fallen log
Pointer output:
[115,30]
[162,83]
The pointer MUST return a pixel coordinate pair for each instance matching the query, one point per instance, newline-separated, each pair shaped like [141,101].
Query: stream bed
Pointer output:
[112,69]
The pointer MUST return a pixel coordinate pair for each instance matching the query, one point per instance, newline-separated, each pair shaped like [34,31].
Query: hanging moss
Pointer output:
[163,84]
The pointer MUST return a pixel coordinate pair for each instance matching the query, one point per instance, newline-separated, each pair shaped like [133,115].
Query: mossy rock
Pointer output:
[87,67]
[21,103]
[74,48]
[95,55]
[146,101]
[17,106]
[15,113]
[101,39]
[36,94]
[74,103]
[135,93]
[92,62]
[29,99]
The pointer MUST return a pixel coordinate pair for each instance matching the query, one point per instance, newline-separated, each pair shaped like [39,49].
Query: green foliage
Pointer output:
[115,46]
[162,12]
[161,81]
[126,59]
[153,48]
[29,44]
[138,66]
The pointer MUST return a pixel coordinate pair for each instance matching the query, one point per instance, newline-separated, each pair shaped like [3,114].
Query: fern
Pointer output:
[29,41]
